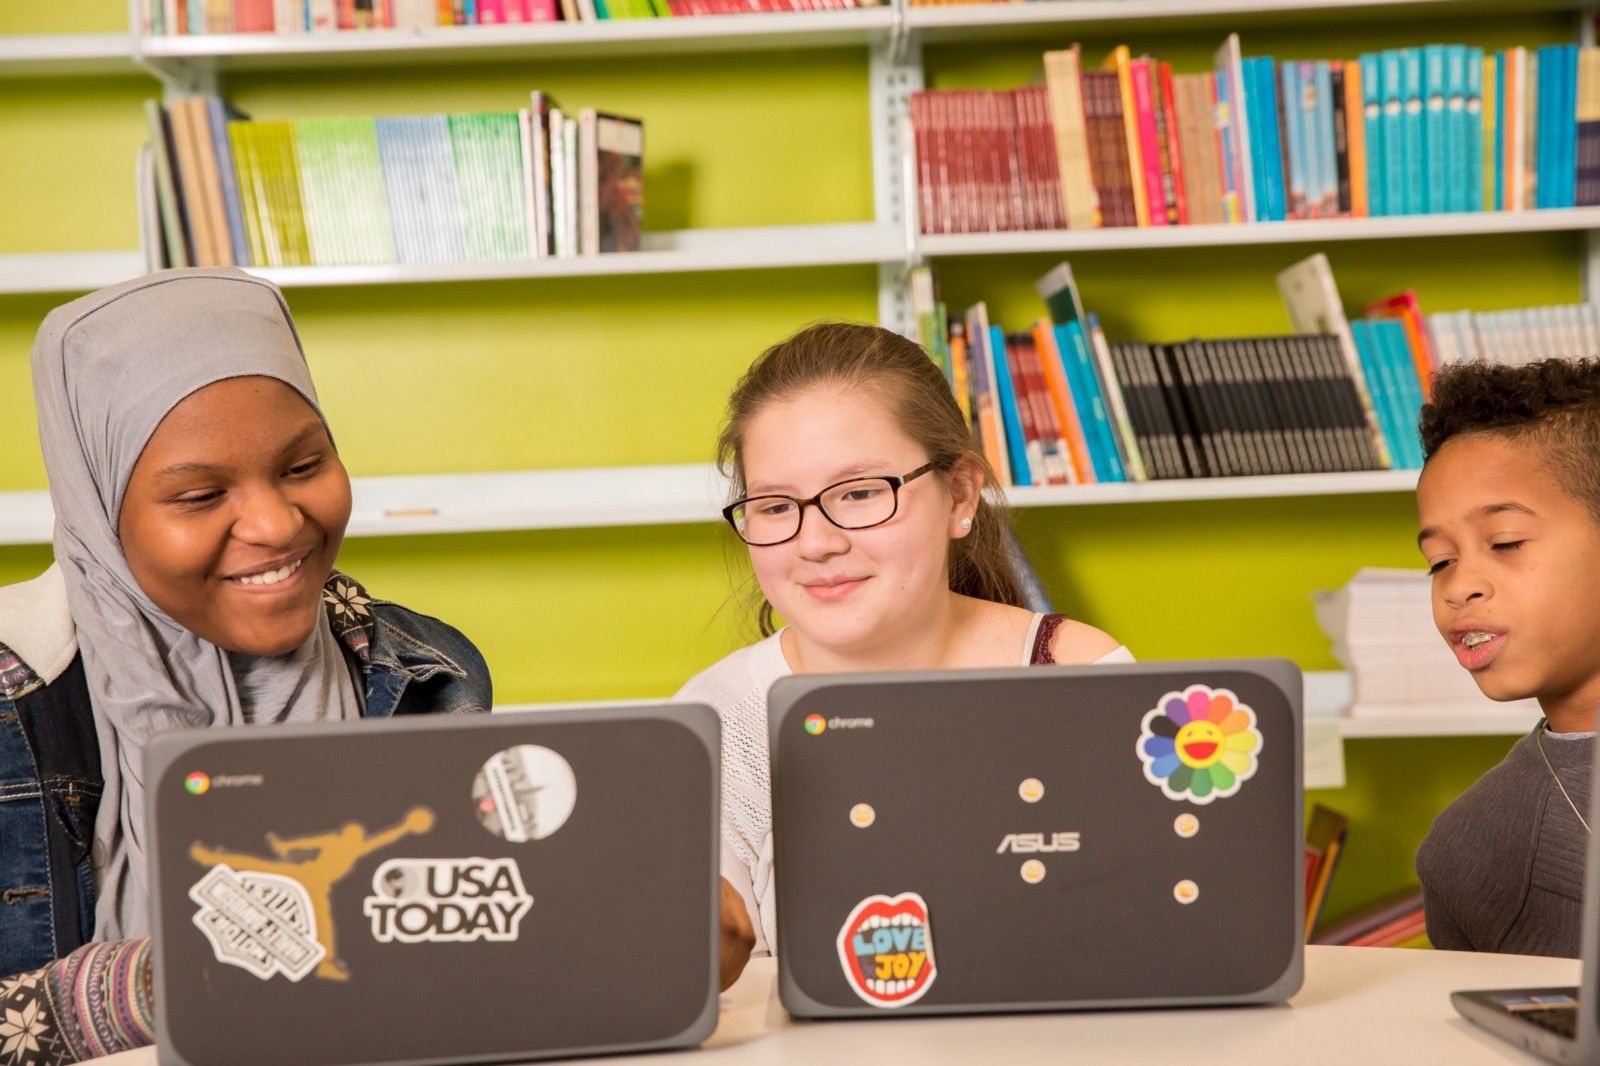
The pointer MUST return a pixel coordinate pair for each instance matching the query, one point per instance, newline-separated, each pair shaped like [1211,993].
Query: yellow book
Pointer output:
[1079,199]
[958,374]
[1118,61]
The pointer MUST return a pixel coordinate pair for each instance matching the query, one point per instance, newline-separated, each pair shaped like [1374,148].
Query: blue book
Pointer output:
[1435,136]
[1569,126]
[1259,180]
[1378,387]
[1546,149]
[1457,191]
[1306,84]
[1474,129]
[1408,391]
[419,179]
[1076,359]
[1266,114]
[1372,117]
[1394,140]
[1006,394]
[1413,137]
[1327,155]
[1499,132]
[1294,126]
[217,116]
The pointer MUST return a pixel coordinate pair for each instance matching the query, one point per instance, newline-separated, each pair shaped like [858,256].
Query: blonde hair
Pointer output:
[852,357]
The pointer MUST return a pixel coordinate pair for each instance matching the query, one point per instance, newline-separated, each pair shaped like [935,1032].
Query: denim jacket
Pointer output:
[50,759]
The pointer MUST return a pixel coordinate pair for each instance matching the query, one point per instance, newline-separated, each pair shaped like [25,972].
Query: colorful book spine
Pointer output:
[1010,416]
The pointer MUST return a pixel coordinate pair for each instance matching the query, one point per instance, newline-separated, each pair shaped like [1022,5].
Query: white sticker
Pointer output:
[524,793]
[262,923]
[446,900]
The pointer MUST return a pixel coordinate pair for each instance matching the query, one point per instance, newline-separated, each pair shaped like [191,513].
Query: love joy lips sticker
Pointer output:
[1200,744]
[886,949]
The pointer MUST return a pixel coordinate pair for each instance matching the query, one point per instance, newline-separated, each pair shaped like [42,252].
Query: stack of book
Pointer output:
[221,190]
[1515,337]
[1393,921]
[1381,626]
[184,17]
[1443,128]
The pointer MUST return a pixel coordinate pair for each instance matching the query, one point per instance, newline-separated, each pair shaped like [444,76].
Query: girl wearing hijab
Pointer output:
[199,506]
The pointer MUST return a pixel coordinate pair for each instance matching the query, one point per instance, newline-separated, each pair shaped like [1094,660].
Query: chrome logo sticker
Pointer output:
[1199,745]
[886,949]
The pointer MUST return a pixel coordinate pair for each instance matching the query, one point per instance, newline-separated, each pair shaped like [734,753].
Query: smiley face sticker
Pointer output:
[1199,745]
[886,949]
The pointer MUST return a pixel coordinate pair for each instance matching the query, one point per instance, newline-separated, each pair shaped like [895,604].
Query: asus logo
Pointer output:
[1026,843]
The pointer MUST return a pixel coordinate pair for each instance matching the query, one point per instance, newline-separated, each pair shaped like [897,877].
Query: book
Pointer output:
[1325,836]
[619,147]
[1234,119]
[1119,63]
[1080,203]
[174,221]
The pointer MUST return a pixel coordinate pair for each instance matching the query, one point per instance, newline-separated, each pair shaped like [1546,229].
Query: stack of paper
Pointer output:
[1381,625]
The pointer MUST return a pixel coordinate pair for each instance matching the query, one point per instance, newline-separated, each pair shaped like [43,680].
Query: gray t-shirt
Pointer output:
[1502,868]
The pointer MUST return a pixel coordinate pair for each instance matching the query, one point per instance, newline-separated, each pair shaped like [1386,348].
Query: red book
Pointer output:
[1021,394]
[1149,140]
[252,16]
[1169,108]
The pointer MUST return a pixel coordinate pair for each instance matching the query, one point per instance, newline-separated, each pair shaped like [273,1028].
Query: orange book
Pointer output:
[1055,379]
[1356,140]
[1408,310]
[1119,61]
[959,383]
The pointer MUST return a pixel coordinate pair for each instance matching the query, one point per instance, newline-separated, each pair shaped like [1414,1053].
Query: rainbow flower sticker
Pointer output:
[1199,744]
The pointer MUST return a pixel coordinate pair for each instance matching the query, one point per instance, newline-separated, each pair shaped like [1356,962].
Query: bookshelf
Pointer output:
[671,495]
[65,55]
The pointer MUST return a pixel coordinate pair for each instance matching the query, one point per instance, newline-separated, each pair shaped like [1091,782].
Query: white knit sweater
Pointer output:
[736,687]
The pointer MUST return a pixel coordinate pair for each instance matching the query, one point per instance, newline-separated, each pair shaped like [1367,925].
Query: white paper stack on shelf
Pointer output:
[1381,625]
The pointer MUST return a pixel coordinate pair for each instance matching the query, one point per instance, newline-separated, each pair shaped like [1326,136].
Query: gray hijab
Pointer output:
[107,368]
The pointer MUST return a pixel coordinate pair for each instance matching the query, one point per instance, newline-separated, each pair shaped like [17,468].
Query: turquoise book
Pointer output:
[1435,130]
[1474,128]
[1457,191]
[1372,119]
[1006,393]
[1413,125]
[1089,401]
[1394,147]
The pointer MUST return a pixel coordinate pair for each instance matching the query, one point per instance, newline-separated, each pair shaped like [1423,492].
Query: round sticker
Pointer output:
[197,783]
[1033,871]
[1186,825]
[1031,790]
[1186,892]
[524,793]
[815,724]
[862,815]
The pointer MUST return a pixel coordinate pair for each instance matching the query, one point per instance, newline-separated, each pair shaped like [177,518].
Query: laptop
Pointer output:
[1038,838]
[1559,1024]
[485,888]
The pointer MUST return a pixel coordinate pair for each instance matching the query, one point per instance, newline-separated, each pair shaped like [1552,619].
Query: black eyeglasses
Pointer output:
[859,503]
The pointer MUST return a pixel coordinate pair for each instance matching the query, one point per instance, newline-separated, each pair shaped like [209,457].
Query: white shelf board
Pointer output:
[67,271]
[658,495]
[1330,695]
[943,22]
[677,251]
[52,54]
[1308,230]
[553,40]
[1222,488]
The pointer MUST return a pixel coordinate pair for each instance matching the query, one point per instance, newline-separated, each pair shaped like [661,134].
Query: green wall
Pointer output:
[597,372]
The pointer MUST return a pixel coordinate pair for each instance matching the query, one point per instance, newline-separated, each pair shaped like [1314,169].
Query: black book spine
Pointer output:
[1201,414]
[1177,412]
[1248,401]
[1233,442]
[1275,420]
[1348,400]
[1170,438]
[1323,416]
[1341,137]
[1138,416]
[1291,389]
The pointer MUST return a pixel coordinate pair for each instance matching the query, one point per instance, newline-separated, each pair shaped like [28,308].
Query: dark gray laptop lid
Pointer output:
[1031,838]
[487,888]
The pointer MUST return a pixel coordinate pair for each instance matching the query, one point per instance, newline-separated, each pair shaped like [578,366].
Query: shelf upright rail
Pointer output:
[1591,244]
[895,72]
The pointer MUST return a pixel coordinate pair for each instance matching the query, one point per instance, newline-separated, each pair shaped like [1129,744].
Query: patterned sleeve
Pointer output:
[95,1001]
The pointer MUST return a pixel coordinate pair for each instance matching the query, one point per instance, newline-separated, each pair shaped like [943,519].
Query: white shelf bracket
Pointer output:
[1591,239]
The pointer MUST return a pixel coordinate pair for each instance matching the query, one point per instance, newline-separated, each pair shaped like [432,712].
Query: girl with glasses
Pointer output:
[861,496]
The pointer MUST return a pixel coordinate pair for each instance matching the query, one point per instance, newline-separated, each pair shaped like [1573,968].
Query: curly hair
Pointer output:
[1553,403]
[854,357]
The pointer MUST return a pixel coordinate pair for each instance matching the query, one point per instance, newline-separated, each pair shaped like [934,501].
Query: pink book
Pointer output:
[492,12]
[540,11]
[1149,143]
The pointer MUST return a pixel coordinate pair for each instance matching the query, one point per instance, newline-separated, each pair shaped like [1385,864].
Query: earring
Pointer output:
[966,523]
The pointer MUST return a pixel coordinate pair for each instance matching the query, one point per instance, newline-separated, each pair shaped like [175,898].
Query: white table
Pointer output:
[1360,1006]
